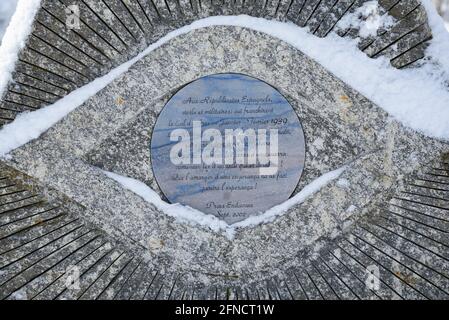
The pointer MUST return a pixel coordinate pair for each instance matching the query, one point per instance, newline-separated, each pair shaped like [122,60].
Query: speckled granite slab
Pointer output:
[387,212]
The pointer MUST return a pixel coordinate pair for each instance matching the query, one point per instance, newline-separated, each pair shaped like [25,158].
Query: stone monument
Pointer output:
[224,163]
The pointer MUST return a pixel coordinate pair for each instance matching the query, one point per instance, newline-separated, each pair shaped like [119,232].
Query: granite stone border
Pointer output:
[388,153]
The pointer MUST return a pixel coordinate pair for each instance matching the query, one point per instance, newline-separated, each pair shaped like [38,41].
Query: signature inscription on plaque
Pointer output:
[228,145]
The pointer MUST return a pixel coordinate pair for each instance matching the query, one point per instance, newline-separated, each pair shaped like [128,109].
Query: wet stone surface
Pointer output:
[228,145]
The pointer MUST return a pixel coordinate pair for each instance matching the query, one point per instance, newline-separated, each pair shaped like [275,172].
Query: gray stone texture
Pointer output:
[387,210]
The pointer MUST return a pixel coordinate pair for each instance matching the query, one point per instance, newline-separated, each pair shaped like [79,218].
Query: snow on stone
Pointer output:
[367,19]
[15,37]
[419,98]
[177,211]
[309,190]
[19,295]
[343,183]
[351,208]
[30,125]
[439,46]
[194,217]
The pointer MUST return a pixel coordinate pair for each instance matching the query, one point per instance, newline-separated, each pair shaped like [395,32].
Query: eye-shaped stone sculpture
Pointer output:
[68,231]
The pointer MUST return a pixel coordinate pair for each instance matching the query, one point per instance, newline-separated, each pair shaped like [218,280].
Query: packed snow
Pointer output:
[368,19]
[15,37]
[7,8]
[19,295]
[185,214]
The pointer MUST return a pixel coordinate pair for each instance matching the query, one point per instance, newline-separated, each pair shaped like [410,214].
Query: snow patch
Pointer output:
[15,38]
[439,46]
[185,214]
[367,19]
[19,295]
[177,211]
[7,8]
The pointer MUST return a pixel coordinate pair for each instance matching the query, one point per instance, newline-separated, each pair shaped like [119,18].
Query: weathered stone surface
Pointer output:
[387,210]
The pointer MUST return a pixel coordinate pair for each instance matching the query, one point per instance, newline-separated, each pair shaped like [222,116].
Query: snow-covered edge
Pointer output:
[7,9]
[368,19]
[15,38]
[439,45]
[418,98]
[30,125]
[185,214]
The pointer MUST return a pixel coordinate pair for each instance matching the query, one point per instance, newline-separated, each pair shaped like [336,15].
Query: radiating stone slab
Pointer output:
[376,232]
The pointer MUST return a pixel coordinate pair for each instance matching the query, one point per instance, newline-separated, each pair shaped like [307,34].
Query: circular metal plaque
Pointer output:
[228,145]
